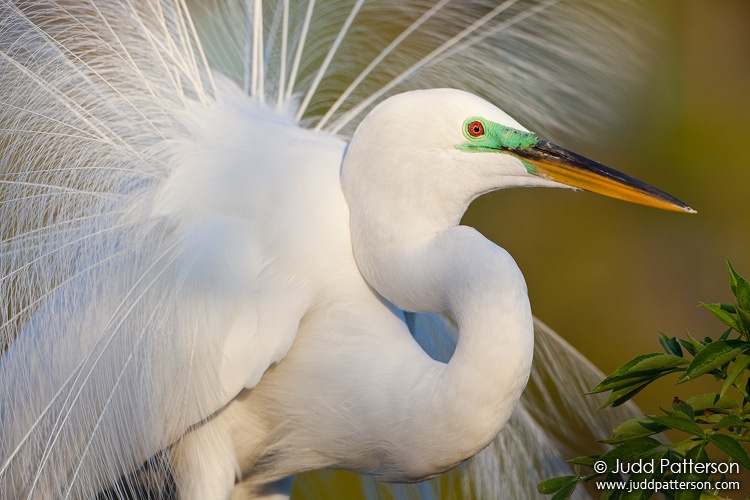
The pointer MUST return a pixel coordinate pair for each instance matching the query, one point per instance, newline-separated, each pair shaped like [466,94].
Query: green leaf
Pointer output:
[676,452]
[587,461]
[679,414]
[638,477]
[710,418]
[740,287]
[730,421]
[630,450]
[657,363]
[696,454]
[744,315]
[644,368]
[627,367]
[722,314]
[683,408]
[731,447]
[738,368]
[712,401]
[618,383]
[566,491]
[729,308]
[726,334]
[689,347]
[636,427]
[616,398]
[681,424]
[741,290]
[695,342]
[732,278]
[670,345]
[679,449]
[555,484]
[713,356]
[614,494]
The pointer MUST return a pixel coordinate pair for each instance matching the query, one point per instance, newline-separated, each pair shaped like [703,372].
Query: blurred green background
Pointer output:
[609,275]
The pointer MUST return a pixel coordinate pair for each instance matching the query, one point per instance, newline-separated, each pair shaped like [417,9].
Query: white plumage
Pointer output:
[179,283]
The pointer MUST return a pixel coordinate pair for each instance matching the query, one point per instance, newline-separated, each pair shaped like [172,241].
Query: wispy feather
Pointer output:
[118,300]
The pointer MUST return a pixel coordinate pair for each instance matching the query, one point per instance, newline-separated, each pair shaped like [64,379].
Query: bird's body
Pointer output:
[383,416]
[201,283]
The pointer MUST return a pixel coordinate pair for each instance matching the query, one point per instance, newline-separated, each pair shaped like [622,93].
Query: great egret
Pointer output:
[197,287]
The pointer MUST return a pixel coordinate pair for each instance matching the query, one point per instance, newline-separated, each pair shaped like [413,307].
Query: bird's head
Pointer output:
[439,149]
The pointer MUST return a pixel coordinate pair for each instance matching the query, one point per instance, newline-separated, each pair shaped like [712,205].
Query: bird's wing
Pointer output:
[125,316]
[554,422]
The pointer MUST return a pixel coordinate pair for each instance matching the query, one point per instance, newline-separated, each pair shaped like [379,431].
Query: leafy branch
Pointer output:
[720,420]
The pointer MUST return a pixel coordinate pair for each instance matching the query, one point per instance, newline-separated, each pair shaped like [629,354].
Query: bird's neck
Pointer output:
[409,249]
[485,293]
[465,403]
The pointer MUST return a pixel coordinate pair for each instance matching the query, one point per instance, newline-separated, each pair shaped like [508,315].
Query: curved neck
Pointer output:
[409,249]
[485,293]
[464,404]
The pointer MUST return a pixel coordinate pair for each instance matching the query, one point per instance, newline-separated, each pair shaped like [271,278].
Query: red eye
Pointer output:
[475,129]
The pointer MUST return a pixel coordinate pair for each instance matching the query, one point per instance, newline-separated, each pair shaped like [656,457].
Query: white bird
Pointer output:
[196,288]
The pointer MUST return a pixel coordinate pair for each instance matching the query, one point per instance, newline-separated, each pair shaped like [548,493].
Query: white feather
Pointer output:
[148,276]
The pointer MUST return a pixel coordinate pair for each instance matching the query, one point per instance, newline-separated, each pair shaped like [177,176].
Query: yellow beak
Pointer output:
[563,166]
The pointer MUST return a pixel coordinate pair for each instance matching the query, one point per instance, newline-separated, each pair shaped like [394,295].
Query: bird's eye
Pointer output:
[475,129]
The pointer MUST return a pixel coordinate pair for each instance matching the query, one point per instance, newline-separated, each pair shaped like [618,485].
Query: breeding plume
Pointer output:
[210,284]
